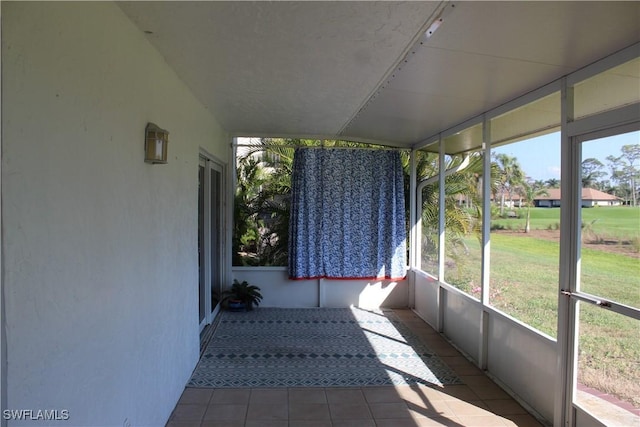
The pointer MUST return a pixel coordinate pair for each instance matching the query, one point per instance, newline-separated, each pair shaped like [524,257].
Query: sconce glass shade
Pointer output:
[155,145]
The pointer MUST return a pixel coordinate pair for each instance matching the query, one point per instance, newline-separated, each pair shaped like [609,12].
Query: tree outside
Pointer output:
[261,210]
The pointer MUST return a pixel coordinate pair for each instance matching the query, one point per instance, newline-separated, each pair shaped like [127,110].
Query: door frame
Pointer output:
[211,163]
[569,292]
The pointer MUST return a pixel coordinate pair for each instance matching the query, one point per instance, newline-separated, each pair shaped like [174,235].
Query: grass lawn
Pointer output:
[614,221]
[524,279]
[524,284]
[617,221]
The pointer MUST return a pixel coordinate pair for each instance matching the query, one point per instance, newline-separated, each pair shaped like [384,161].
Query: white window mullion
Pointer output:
[569,265]
[486,244]
[441,233]
[415,235]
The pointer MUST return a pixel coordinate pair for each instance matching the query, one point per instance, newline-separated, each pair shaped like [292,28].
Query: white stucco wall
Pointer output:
[100,248]
[279,291]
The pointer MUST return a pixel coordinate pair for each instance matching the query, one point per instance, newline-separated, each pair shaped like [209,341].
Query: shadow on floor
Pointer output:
[474,401]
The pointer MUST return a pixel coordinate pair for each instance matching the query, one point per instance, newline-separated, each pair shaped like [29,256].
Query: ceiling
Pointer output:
[366,70]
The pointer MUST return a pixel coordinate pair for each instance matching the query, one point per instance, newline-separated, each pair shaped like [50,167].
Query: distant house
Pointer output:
[513,200]
[590,198]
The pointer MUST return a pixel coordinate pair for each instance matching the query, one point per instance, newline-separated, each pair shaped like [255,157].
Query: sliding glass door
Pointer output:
[210,238]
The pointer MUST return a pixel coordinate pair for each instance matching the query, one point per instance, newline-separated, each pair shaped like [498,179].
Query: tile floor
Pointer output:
[477,402]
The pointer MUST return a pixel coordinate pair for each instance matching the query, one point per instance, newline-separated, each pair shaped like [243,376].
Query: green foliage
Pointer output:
[261,220]
[244,292]
[592,171]
[554,226]
[463,204]
[529,193]
[264,187]
[552,183]
[250,176]
[508,175]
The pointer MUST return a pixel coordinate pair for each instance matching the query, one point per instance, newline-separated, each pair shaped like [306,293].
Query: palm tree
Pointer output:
[538,183]
[510,176]
[270,207]
[460,221]
[249,176]
[592,172]
[529,192]
[266,212]
[552,183]
[632,153]
[263,220]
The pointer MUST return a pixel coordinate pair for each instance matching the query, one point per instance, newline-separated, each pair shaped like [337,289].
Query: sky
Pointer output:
[539,157]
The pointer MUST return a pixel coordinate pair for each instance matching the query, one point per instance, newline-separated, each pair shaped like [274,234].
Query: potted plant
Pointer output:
[242,296]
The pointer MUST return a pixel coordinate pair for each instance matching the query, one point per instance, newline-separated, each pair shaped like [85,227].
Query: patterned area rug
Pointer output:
[325,347]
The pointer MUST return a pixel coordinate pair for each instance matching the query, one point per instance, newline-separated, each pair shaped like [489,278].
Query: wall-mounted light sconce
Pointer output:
[155,144]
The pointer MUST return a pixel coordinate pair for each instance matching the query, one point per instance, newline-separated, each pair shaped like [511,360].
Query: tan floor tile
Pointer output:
[459,392]
[417,325]
[489,392]
[349,411]
[389,410]
[381,394]
[505,407]
[226,412]
[434,340]
[183,424]
[363,422]
[222,423]
[309,411]
[267,411]
[188,412]
[402,313]
[310,423]
[307,395]
[195,396]
[484,387]
[477,402]
[238,396]
[408,391]
[266,423]
[437,408]
[426,336]
[520,420]
[480,421]
[475,380]
[468,408]
[345,395]
[468,369]
[269,396]
[396,422]
[438,421]
[443,350]
[452,361]
[421,394]
[462,366]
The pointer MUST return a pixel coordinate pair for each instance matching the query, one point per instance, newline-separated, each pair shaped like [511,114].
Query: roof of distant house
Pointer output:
[587,194]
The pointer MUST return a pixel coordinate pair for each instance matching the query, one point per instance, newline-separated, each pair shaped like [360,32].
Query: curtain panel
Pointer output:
[347,216]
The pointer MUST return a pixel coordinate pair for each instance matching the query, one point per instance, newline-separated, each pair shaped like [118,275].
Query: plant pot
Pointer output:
[236,305]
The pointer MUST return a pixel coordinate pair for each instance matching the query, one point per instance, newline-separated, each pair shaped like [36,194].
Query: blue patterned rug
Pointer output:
[327,347]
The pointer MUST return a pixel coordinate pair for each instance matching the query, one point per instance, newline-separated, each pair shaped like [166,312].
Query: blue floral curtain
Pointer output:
[347,214]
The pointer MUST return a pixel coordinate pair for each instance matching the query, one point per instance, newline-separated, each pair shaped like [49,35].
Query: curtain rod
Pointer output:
[321,146]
